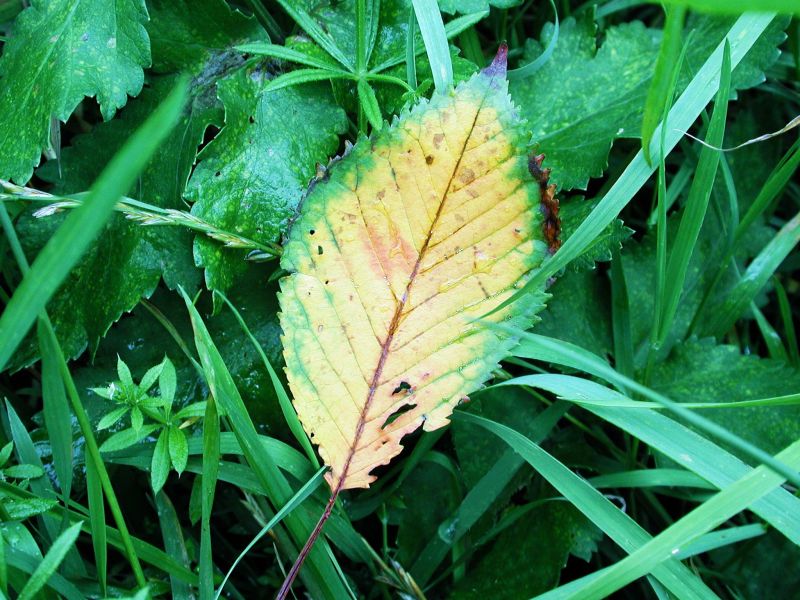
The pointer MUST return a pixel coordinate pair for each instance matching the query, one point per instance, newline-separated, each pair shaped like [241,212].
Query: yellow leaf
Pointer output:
[400,247]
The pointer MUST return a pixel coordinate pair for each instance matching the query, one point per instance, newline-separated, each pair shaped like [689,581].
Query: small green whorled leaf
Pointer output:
[252,175]
[159,466]
[23,471]
[127,437]
[701,371]
[18,510]
[525,565]
[59,52]
[185,34]
[178,448]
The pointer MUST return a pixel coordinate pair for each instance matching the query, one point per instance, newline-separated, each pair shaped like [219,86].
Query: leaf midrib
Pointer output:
[374,384]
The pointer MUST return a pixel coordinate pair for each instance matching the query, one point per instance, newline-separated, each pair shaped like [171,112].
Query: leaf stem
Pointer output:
[292,575]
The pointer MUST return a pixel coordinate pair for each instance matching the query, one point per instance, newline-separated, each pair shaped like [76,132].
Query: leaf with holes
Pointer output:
[399,247]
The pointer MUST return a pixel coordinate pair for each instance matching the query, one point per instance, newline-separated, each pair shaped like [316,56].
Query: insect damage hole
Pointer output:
[397,414]
[403,386]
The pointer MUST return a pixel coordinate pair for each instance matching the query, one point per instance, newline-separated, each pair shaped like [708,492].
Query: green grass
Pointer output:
[641,441]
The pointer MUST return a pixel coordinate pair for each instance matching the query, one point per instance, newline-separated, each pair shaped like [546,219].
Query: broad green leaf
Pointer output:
[700,371]
[64,249]
[428,496]
[521,566]
[61,51]
[580,312]
[584,97]
[252,175]
[197,35]
[129,259]
[759,568]
[408,238]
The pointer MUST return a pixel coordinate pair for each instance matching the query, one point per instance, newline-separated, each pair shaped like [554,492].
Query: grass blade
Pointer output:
[696,204]
[97,522]
[431,27]
[754,279]
[211,454]
[57,417]
[597,508]
[320,575]
[658,96]
[533,66]
[720,539]
[295,501]
[736,7]
[542,348]
[50,562]
[81,227]
[287,409]
[480,499]
[711,513]
[682,445]
[173,543]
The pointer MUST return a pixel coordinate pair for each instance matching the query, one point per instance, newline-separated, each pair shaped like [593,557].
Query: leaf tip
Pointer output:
[499,65]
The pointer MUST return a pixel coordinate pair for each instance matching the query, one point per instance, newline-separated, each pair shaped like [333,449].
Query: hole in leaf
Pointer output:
[319,249]
[404,386]
[397,414]
[312,231]
[216,174]
[251,119]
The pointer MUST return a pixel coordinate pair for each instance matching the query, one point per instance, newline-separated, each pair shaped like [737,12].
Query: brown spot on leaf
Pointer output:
[438,138]
[467,175]
[429,159]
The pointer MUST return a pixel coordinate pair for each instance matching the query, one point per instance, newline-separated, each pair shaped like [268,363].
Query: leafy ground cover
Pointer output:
[642,439]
